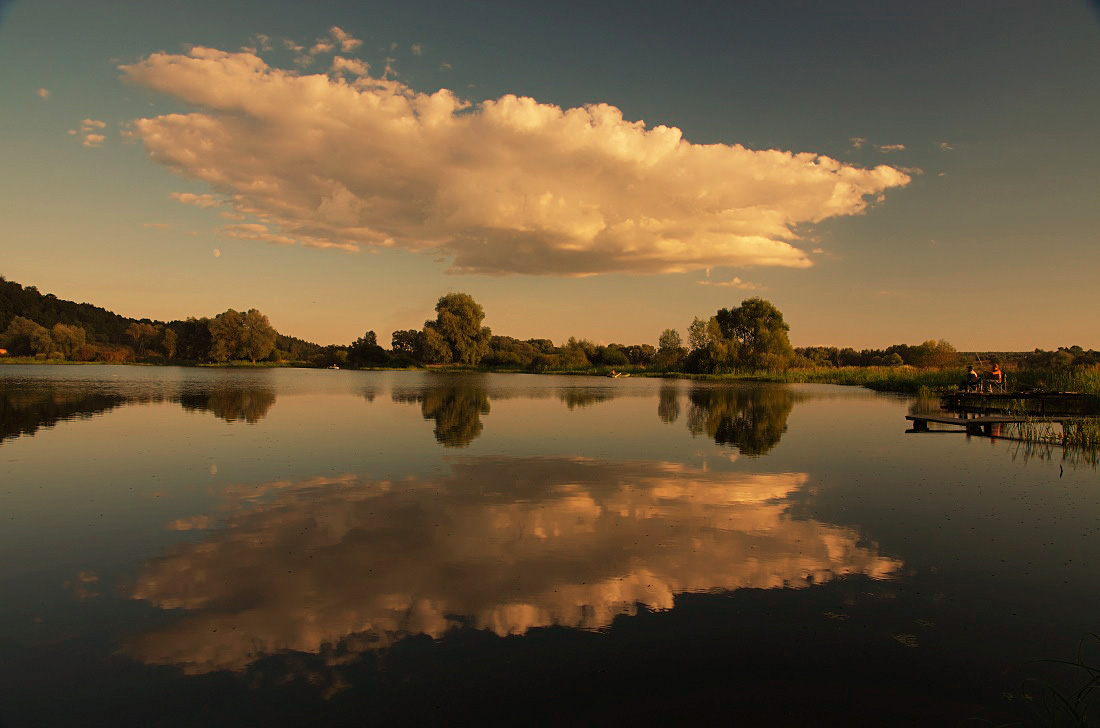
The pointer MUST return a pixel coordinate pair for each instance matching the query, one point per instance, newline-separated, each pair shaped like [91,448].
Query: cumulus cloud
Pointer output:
[254,231]
[189,198]
[887,148]
[734,283]
[43,93]
[507,186]
[350,65]
[417,49]
[89,129]
[337,38]
[945,146]
[347,43]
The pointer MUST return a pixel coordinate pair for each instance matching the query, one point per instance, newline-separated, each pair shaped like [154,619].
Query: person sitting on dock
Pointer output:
[996,377]
[972,380]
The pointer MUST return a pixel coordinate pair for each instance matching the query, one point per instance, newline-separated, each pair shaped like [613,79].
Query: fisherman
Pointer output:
[972,381]
[995,377]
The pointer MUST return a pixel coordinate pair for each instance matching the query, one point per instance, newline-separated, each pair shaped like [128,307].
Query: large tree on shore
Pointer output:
[25,337]
[760,332]
[456,335]
[750,336]
[68,340]
[257,336]
[241,336]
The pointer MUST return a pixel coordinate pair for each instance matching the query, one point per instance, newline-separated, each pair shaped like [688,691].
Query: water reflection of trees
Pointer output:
[752,419]
[456,409]
[250,404]
[668,404]
[574,397]
[23,411]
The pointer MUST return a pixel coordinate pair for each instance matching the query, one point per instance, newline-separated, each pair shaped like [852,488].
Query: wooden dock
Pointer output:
[1040,403]
[976,425]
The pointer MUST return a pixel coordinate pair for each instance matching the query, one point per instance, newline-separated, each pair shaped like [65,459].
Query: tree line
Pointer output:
[39,325]
[750,337]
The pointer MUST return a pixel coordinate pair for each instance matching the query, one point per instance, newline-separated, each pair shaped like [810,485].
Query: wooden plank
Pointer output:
[979,421]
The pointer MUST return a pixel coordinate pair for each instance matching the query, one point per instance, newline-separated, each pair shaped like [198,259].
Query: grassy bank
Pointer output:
[884,379]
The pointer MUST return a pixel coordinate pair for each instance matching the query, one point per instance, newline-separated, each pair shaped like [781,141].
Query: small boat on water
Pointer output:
[615,375]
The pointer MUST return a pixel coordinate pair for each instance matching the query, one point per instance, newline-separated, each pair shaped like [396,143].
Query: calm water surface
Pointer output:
[270,547]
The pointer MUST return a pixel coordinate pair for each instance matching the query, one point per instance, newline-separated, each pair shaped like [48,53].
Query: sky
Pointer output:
[882,171]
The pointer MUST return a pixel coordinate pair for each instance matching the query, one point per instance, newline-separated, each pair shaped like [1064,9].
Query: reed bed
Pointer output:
[1077,438]
[1080,379]
[884,379]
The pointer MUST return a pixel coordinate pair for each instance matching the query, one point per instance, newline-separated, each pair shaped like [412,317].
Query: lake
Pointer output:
[193,546]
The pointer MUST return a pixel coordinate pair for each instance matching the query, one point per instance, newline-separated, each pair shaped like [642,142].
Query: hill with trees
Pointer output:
[45,327]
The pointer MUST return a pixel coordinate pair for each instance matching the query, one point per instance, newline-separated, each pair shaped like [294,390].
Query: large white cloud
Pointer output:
[507,186]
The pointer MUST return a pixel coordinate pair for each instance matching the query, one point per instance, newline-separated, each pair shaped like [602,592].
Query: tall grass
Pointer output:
[1079,379]
[1071,707]
[885,379]
[1078,438]
[1085,380]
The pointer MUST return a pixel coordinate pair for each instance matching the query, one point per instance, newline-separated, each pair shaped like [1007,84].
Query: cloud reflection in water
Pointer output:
[338,566]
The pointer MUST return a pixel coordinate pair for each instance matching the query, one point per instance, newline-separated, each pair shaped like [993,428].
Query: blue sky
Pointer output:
[883,172]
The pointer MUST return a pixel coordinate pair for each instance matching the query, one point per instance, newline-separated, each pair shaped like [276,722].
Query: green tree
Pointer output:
[25,337]
[257,336]
[225,335]
[235,335]
[406,343]
[194,340]
[670,348]
[934,354]
[758,329]
[68,340]
[169,342]
[611,356]
[457,334]
[141,333]
[505,351]
[642,354]
[365,350]
[697,334]
[434,347]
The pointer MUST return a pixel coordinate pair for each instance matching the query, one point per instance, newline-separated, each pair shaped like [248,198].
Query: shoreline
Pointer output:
[900,380]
